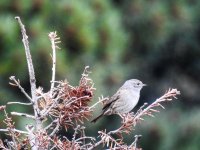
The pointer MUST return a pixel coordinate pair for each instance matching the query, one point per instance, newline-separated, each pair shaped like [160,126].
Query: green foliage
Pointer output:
[172,130]
[91,33]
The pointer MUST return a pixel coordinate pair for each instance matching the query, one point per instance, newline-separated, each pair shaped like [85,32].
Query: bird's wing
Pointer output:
[115,97]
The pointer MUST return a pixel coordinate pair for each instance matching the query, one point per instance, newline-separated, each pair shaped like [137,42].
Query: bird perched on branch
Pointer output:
[124,100]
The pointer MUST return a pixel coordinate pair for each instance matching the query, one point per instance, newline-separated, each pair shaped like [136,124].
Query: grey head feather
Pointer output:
[133,84]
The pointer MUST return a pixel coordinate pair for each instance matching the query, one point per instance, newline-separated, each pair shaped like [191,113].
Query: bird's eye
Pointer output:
[138,83]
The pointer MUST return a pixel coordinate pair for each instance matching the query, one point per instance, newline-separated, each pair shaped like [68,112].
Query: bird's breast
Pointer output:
[126,102]
[131,99]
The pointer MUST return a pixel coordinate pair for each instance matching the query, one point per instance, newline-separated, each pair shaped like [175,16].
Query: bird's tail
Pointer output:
[97,118]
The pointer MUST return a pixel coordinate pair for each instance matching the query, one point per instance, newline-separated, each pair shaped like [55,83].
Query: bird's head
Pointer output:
[135,84]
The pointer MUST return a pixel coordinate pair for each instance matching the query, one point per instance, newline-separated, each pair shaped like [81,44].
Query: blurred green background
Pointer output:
[156,41]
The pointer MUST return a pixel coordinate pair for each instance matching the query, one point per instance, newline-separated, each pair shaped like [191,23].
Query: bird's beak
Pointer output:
[144,85]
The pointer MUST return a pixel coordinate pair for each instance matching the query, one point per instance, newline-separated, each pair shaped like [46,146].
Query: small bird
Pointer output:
[124,100]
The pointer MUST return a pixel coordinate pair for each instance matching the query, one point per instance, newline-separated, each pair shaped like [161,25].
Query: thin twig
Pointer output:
[83,134]
[134,144]
[17,83]
[10,103]
[22,115]
[15,130]
[52,36]
[11,130]
[52,106]
[77,99]
[96,144]
[171,93]
[75,133]
[86,137]
[55,129]
[38,121]
[51,124]
[100,101]
[29,59]
[85,146]
[115,131]
[53,147]
[31,137]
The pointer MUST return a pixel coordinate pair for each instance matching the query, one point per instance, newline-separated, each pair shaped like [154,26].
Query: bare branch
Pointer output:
[22,115]
[96,144]
[85,137]
[10,103]
[52,106]
[171,93]
[53,38]
[101,100]
[17,83]
[134,144]
[75,133]
[29,59]
[15,130]
[55,129]
[2,145]
[31,75]
[32,137]
[51,124]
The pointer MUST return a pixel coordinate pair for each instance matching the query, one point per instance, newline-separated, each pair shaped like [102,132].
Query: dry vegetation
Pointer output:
[67,107]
